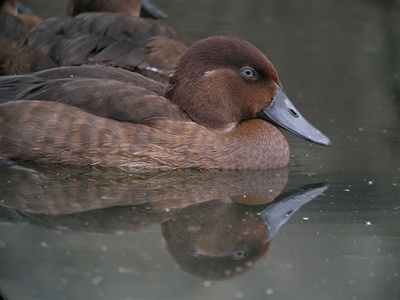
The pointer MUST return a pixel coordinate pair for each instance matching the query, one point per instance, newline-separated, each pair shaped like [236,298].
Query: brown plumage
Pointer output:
[213,115]
[13,28]
[144,8]
[114,39]
[76,7]
[27,20]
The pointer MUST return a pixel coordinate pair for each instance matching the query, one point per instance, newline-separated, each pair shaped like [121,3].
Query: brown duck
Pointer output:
[27,20]
[115,39]
[13,28]
[142,8]
[220,110]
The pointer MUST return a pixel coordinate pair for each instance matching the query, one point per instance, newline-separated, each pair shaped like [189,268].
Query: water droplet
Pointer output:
[207,283]
[96,280]
[228,272]
[269,291]
[239,294]
[125,270]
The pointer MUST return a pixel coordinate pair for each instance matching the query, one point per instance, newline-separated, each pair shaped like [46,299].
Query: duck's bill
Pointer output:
[150,10]
[277,214]
[282,113]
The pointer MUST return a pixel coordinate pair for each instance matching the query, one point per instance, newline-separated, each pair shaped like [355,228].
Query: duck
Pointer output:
[137,8]
[12,7]
[221,110]
[109,38]
[13,28]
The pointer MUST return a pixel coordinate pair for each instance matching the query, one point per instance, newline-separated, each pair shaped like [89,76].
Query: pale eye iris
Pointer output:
[249,72]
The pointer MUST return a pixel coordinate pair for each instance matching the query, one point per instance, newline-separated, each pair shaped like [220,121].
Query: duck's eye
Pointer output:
[249,72]
[239,254]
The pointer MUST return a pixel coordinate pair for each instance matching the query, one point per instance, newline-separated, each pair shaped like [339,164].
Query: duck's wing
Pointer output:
[109,98]
[92,38]
[104,72]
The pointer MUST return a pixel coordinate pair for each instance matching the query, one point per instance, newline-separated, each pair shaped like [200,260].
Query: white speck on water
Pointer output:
[370,182]
[104,248]
[96,280]
[360,129]
[239,294]
[207,283]
[44,245]
[124,270]
[269,291]
[306,218]
[347,190]
[167,210]
[368,223]
[228,272]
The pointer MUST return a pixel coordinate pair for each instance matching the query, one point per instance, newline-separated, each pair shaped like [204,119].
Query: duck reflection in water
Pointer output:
[213,247]
[217,224]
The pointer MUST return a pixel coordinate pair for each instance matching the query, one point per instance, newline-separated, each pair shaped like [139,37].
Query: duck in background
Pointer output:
[113,39]
[220,110]
[13,8]
[144,8]
[14,25]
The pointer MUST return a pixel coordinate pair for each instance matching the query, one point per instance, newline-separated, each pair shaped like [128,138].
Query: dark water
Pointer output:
[68,233]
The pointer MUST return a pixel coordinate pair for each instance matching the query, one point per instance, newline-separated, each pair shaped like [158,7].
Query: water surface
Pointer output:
[83,233]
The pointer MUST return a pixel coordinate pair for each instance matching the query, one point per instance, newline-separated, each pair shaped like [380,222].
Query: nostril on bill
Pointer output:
[294,113]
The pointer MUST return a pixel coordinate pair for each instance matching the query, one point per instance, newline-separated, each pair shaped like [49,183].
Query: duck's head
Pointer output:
[222,81]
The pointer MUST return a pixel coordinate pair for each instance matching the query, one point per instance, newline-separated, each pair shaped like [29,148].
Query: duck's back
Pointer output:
[114,39]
